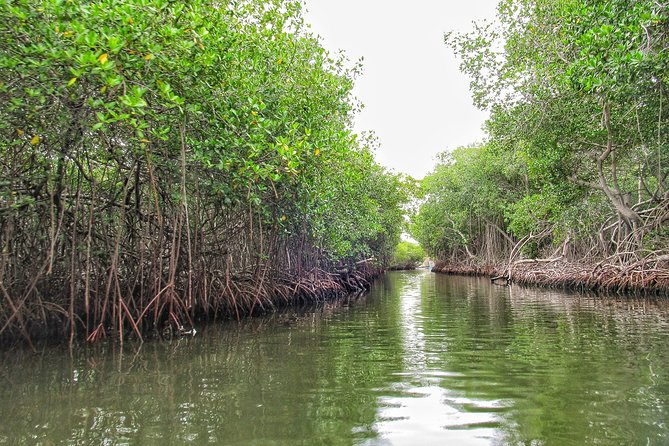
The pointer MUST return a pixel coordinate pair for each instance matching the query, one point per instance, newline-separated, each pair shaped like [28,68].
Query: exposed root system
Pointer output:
[171,312]
[650,276]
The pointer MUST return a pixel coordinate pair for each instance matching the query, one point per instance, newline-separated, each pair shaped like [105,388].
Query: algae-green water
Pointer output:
[422,359]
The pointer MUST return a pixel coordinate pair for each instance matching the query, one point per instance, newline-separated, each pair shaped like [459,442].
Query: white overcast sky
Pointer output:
[416,100]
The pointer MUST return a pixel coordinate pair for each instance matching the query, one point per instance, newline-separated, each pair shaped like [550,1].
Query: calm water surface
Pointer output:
[422,359]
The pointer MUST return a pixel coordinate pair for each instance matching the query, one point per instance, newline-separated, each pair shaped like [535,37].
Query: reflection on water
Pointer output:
[417,403]
[422,359]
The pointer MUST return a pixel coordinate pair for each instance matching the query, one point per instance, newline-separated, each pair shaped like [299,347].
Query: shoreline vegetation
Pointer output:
[167,162]
[636,279]
[407,256]
[570,187]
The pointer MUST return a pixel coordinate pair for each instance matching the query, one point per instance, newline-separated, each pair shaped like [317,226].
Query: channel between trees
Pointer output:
[164,162]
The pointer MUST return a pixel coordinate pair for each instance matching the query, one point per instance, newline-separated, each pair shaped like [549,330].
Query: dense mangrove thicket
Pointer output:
[573,173]
[163,161]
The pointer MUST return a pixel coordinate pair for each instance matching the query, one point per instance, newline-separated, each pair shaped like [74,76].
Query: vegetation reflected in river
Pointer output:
[423,359]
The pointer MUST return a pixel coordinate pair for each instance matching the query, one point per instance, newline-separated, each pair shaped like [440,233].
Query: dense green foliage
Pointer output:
[577,155]
[156,154]
[407,255]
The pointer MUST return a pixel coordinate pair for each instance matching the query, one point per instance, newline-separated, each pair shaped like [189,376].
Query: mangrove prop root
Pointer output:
[650,276]
[173,309]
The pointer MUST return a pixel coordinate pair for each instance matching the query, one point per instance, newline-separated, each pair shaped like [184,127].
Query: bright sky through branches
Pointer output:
[416,100]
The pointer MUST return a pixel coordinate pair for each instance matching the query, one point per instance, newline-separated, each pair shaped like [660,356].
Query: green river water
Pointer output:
[423,359]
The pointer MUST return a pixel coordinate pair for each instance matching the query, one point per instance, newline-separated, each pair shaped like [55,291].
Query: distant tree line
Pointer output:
[408,255]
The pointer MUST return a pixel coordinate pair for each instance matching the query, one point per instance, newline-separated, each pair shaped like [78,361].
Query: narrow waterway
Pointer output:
[422,359]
